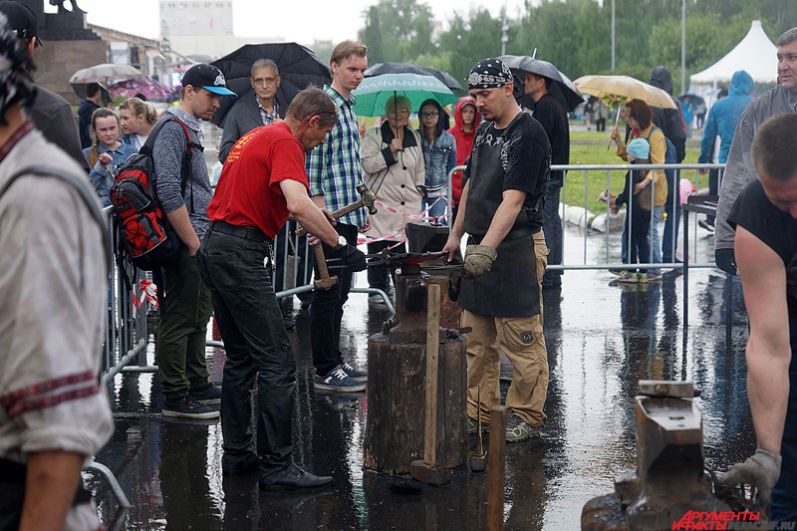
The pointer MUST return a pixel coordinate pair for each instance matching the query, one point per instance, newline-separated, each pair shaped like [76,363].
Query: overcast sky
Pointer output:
[302,21]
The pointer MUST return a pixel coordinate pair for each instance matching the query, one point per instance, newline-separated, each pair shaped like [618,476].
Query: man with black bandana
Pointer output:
[504,184]
[765,220]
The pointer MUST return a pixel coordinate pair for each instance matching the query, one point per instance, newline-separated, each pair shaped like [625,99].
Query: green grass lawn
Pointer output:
[590,148]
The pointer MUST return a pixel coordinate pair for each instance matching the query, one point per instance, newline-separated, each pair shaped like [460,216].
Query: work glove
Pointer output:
[347,257]
[761,470]
[479,260]
[725,260]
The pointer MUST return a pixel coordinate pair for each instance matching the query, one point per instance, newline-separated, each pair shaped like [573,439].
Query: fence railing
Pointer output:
[611,177]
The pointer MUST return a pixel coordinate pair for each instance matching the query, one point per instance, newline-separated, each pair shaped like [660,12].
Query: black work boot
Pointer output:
[292,478]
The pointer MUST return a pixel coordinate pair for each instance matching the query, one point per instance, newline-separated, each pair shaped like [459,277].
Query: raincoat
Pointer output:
[724,116]
[464,141]
[671,121]
[394,179]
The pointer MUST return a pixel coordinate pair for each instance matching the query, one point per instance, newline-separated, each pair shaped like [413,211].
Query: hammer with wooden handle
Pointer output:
[366,200]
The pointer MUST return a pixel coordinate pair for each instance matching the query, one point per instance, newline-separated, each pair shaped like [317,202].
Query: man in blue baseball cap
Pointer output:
[184,192]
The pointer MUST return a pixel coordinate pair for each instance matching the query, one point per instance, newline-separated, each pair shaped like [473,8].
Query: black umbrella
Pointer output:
[561,87]
[298,66]
[407,68]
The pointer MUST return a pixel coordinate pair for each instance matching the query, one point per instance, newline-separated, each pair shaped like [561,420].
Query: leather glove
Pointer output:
[725,260]
[348,257]
[479,260]
[761,470]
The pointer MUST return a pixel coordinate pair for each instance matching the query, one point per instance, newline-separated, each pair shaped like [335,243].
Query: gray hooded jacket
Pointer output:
[740,168]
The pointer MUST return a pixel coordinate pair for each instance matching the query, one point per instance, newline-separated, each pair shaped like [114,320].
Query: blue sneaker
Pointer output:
[354,374]
[337,381]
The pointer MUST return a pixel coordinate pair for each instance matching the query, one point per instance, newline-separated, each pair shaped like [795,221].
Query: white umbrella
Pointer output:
[104,73]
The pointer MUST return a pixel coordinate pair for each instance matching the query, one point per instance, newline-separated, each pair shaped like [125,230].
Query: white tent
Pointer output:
[755,53]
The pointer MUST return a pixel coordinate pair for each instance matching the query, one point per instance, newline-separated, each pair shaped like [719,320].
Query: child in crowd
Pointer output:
[466,120]
[638,199]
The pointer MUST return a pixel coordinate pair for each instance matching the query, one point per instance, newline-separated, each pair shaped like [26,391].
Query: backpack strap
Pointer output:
[87,196]
[185,164]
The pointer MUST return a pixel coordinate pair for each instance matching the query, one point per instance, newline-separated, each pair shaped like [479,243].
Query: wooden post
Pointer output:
[428,470]
[495,469]
[432,351]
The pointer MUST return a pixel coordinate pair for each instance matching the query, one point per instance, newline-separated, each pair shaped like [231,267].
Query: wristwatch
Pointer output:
[342,242]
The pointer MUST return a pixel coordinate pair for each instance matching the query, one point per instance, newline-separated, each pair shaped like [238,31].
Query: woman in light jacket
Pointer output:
[394,171]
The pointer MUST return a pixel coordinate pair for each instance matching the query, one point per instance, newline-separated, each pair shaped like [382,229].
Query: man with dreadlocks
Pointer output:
[53,411]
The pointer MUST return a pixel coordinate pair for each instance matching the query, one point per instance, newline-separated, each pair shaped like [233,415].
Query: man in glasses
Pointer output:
[255,110]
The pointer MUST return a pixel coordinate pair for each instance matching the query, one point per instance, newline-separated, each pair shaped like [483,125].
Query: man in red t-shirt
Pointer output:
[262,184]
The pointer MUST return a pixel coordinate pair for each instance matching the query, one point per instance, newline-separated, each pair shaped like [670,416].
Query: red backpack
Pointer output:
[145,235]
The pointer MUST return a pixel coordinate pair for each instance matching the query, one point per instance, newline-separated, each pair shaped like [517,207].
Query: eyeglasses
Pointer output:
[264,80]
[430,114]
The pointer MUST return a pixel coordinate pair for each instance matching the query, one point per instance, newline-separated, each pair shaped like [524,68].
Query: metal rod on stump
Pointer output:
[495,469]
[428,470]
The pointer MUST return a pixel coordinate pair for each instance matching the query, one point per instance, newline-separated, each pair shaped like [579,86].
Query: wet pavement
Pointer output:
[601,340]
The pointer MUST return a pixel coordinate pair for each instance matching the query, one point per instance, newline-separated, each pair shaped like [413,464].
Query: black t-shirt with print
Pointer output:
[778,231]
[517,157]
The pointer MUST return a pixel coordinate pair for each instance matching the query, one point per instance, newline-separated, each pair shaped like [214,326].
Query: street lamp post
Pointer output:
[613,38]
[683,46]
[504,36]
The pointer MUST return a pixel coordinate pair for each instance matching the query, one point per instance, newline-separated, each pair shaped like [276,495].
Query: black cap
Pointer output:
[22,20]
[207,77]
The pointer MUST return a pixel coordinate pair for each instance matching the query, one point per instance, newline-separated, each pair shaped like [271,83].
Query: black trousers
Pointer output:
[258,350]
[379,276]
[639,220]
[326,312]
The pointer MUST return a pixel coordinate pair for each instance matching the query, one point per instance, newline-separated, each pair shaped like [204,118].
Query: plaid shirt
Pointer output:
[333,168]
[268,117]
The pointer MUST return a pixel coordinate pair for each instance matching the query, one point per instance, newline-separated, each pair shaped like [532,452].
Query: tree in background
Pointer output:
[575,35]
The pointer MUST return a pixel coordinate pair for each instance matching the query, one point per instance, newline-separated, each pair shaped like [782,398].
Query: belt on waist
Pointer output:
[15,475]
[247,233]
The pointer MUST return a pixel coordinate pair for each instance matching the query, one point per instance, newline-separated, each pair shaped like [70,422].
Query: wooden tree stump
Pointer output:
[394,432]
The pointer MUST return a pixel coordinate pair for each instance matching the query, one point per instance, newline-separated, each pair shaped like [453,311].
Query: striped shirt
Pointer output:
[333,168]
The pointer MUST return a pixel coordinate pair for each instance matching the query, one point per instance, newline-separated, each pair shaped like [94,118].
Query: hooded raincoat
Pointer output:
[724,116]
[670,121]
[464,142]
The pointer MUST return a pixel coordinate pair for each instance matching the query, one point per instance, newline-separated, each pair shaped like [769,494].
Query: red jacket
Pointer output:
[464,143]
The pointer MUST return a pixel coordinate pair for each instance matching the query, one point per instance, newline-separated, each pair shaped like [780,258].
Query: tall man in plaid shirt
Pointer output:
[334,171]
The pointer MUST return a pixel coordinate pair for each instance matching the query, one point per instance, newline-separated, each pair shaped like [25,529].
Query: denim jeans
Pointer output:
[438,210]
[180,348]
[326,312]
[258,350]
[655,240]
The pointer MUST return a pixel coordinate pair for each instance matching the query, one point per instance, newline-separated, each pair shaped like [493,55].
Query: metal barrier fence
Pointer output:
[598,177]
